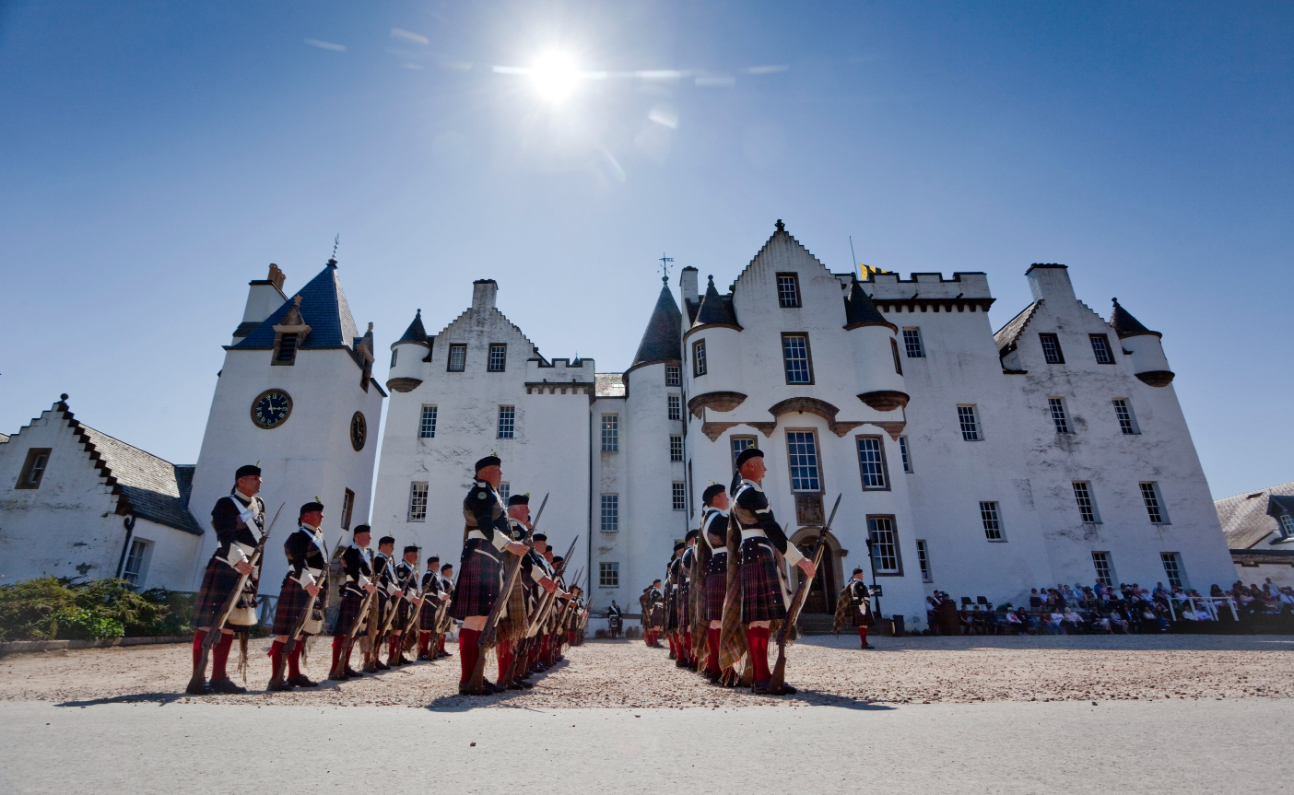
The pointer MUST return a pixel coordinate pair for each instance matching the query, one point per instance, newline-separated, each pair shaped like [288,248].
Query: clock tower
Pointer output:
[296,394]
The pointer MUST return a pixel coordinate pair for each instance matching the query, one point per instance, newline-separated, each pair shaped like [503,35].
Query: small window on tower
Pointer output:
[394,355]
[675,447]
[673,376]
[675,407]
[347,506]
[287,352]
[698,359]
[788,290]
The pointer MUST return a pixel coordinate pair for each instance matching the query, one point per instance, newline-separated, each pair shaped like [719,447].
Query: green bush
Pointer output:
[50,608]
[28,609]
[77,623]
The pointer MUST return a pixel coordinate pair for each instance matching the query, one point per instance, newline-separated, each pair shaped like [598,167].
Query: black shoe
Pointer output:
[342,678]
[759,688]
[491,687]
[464,690]
[424,658]
[203,689]
[226,686]
[682,664]
[786,690]
[523,684]
[280,687]
[381,666]
[301,680]
[351,673]
[868,646]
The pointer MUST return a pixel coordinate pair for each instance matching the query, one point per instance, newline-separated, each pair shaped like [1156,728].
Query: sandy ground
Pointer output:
[828,671]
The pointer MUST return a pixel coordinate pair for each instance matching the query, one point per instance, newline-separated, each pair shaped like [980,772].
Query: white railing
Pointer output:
[1210,605]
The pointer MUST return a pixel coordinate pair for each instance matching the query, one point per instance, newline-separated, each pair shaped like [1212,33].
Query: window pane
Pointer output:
[675,407]
[1051,349]
[992,521]
[287,347]
[1104,571]
[676,448]
[1172,568]
[610,513]
[457,358]
[885,544]
[698,358]
[1287,525]
[498,358]
[507,421]
[1058,416]
[427,425]
[609,575]
[788,290]
[903,450]
[872,463]
[912,343]
[610,433]
[1154,505]
[1101,348]
[1083,497]
[969,425]
[795,350]
[505,491]
[672,375]
[418,502]
[1123,411]
[923,560]
[803,450]
[134,561]
[679,494]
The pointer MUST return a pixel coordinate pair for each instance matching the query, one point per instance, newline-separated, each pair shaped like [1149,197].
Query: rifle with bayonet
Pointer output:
[199,677]
[376,644]
[475,684]
[339,670]
[535,621]
[414,620]
[777,681]
[564,620]
[276,681]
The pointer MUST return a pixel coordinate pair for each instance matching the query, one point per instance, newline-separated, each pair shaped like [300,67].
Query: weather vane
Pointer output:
[336,241]
[664,267]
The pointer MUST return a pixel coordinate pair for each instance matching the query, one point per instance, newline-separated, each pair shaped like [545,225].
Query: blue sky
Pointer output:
[156,157]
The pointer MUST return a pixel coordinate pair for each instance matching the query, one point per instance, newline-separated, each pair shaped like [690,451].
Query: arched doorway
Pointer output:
[822,592]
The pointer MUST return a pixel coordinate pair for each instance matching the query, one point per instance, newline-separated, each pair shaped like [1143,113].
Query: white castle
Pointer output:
[975,463]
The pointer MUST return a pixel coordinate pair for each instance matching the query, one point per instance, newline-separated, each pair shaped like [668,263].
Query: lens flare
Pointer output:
[554,76]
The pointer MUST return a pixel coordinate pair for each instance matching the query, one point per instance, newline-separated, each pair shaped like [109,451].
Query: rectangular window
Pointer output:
[287,349]
[347,506]
[802,450]
[678,491]
[1287,526]
[498,357]
[969,423]
[795,353]
[33,469]
[871,460]
[675,447]
[1154,503]
[608,575]
[739,445]
[988,514]
[1127,422]
[610,513]
[395,354]
[673,375]
[1058,416]
[675,407]
[507,421]
[923,560]
[417,502]
[505,491]
[788,290]
[1101,348]
[1104,568]
[1173,569]
[457,358]
[610,433]
[1051,349]
[907,457]
[698,358]
[133,571]
[884,546]
[912,343]
[427,423]
[1086,503]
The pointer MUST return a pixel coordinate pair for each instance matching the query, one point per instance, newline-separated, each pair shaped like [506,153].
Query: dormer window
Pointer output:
[289,334]
[287,352]
[788,290]
[1287,526]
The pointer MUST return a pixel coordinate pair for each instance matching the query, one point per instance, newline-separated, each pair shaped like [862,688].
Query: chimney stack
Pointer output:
[687,283]
[483,294]
[1050,281]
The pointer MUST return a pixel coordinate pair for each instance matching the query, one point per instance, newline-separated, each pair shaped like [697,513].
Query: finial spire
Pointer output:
[664,267]
[336,241]
[781,227]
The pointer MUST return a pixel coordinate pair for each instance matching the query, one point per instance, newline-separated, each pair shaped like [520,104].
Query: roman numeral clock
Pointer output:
[271,408]
[358,431]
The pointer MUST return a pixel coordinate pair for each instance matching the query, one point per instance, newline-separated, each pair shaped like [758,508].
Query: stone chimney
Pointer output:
[1051,282]
[483,294]
[687,283]
[263,297]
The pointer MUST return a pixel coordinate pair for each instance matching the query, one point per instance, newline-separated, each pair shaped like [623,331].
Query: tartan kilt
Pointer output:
[427,618]
[683,607]
[716,587]
[218,582]
[403,612]
[860,619]
[761,590]
[292,603]
[656,616]
[479,580]
[351,604]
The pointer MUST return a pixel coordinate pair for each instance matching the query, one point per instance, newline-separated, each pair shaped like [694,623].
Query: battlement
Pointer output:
[560,371]
[889,286]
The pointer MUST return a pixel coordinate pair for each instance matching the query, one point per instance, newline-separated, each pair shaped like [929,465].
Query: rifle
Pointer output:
[390,615]
[414,620]
[476,682]
[538,615]
[778,678]
[300,623]
[564,619]
[339,670]
[199,677]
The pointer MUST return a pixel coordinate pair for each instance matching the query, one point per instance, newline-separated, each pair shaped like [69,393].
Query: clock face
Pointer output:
[271,408]
[358,431]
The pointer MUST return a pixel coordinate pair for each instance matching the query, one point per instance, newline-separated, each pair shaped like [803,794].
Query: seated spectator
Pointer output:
[1119,621]
[1050,623]
[1101,623]
[1071,622]
[1015,624]
[1153,619]
[1215,590]
[1034,599]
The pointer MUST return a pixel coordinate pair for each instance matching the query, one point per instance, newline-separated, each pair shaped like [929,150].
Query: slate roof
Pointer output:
[415,332]
[715,308]
[155,489]
[324,309]
[3,438]
[1007,336]
[609,385]
[860,311]
[1125,325]
[1244,517]
[662,340]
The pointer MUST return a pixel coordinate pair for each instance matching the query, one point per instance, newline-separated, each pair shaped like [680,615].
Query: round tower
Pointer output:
[713,346]
[876,352]
[408,355]
[1148,360]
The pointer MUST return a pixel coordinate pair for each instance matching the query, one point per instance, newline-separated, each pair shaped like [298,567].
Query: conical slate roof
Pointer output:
[415,332]
[324,309]
[661,341]
[714,308]
[860,311]
[1125,325]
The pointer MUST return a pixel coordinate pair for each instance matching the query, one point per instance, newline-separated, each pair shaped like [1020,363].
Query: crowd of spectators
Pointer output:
[1103,609]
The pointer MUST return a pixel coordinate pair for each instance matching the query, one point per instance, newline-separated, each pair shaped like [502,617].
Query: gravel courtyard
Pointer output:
[828,671]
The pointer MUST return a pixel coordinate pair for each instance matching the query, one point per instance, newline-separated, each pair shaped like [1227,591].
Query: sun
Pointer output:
[554,76]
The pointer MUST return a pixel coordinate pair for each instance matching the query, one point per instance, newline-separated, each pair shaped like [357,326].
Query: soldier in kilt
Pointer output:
[683,602]
[405,572]
[860,606]
[672,577]
[357,568]
[388,595]
[762,596]
[239,522]
[432,598]
[306,564]
[447,619]
[653,613]
[480,575]
[714,531]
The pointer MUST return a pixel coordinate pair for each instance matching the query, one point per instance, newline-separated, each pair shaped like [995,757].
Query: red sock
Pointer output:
[504,653]
[687,646]
[349,649]
[393,649]
[862,633]
[673,647]
[442,643]
[294,659]
[757,640]
[424,638]
[220,656]
[467,651]
[276,658]
[337,642]
[712,664]
[198,638]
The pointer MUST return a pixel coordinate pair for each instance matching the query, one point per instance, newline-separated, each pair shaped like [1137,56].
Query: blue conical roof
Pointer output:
[662,339]
[324,309]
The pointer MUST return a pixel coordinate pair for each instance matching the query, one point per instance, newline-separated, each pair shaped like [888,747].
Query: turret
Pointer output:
[1148,360]
[263,297]
[660,342]
[713,347]
[408,354]
[876,352]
